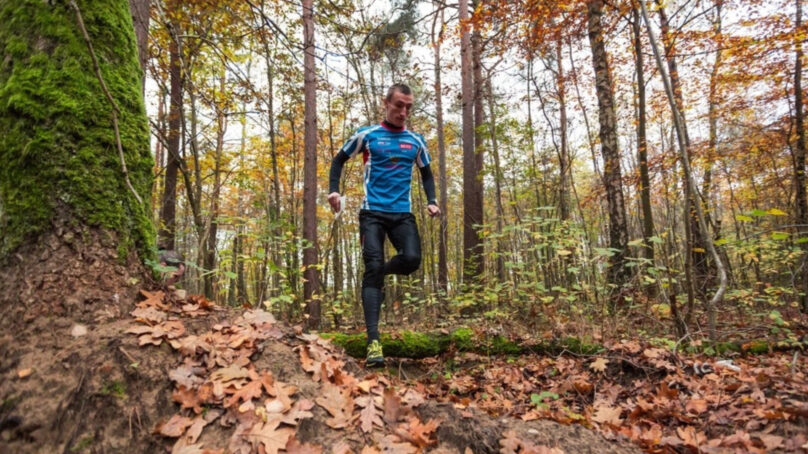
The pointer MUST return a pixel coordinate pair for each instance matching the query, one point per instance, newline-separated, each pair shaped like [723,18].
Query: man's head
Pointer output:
[398,104]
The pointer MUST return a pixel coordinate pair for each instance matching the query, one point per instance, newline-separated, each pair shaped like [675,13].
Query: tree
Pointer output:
[472,179]
[75,219]
[311,274]
[612,176]
[800,198]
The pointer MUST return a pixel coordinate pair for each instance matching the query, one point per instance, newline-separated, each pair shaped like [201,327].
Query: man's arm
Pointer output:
[333,179]
[429,187]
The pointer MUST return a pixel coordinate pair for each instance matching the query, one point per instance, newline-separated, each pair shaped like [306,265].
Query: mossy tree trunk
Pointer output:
[71,231]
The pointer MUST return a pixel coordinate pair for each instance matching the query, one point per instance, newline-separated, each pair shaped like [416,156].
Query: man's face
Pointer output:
[398,108]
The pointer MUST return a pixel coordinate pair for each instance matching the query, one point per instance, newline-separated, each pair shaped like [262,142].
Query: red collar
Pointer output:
[390,127]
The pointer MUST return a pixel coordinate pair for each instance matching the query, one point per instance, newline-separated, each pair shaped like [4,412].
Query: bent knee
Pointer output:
[410,263]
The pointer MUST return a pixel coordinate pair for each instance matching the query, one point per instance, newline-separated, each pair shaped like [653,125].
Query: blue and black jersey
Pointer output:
[388,154]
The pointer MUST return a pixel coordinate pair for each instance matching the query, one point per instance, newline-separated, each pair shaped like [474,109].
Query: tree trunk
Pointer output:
[140,19]
[799,158]
[642,143]
[612,177]
[681,135]
[563,153]
[168,208]
[703,269]
[72,234]
[472,208]
[492,122]
[311,286]
[443,234]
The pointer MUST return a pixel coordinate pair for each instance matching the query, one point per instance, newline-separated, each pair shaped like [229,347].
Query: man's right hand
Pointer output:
[334,201]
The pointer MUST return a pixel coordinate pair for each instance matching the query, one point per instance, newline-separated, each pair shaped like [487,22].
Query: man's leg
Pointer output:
[404,235]
[371,230]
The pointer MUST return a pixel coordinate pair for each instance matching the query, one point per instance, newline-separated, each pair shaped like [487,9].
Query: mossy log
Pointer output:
[409,344]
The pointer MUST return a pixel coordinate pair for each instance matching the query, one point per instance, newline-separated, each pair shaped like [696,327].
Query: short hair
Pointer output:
[403,88]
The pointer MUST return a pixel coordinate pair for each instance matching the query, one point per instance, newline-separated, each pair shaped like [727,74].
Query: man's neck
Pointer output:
[391,126]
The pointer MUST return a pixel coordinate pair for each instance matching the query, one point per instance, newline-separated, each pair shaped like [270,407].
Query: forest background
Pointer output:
[572,199]
[623,189]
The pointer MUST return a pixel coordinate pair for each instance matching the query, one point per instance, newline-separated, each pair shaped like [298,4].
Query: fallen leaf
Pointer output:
[607,415]
[299,411]
[418,433]
[268,435]
[294,447]
[772,442]
[174,427]
[392,406]
[391,444]
[369,415]
[599,364]
[338,403]
[696,406]
[510,443]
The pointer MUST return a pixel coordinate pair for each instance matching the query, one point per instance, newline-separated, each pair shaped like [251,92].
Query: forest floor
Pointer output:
[181,375]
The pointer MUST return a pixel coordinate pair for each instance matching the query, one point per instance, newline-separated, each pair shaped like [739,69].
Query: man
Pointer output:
[389,152]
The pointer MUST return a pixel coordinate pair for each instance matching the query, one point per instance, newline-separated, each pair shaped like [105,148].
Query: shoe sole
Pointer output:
[374,363]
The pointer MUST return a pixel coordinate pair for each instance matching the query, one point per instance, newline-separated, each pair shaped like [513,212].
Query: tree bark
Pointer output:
[140,19]
[681,135]
[642,143]
[612,176]
[799,158]
[311,286]
[168,208]
[72,235]
[472,207]
[443,234]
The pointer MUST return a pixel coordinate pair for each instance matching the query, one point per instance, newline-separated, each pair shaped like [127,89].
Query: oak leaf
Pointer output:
[418,433]
[369,415]
[607,415]
[300,410]
[268,435]
[599,364]
[338,403]
[174,427]
[246,393]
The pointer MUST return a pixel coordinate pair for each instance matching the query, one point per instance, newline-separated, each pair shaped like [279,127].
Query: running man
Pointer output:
[389,152]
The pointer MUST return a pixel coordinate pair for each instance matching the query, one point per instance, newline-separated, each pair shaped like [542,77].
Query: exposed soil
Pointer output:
[65,391]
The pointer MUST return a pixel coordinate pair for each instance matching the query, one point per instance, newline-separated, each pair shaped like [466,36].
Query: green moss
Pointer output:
[58,146]
[756,347]
[461,338]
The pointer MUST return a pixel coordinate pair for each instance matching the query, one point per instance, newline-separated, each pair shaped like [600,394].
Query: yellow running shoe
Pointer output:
[375,356]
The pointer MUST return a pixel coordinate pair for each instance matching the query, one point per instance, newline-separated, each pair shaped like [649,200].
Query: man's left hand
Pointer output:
[433,210]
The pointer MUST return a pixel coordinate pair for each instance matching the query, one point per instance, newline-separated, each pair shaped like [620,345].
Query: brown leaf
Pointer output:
[338,403]
[193,432]
[772,442]
[599,364]
[392,406]
[368,450]
[510,443]
[185,375]
[607,415]
[369,415]
[696,406]
[294,447]
[174,427]
[417,433]
[299,411]
[391,444]
[148,315]
[248,392]
[268,435]
[187,398]
[690,436]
